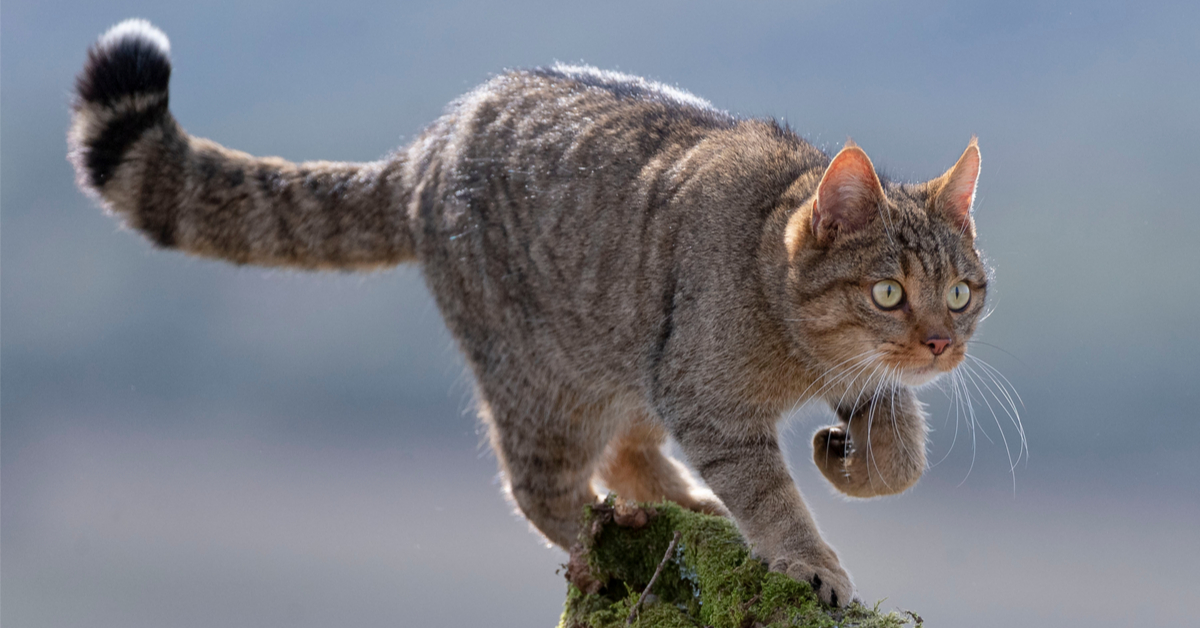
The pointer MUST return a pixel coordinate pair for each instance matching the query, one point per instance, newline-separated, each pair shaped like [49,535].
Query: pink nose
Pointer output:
[937,345]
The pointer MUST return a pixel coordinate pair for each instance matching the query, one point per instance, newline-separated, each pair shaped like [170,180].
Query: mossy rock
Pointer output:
[710,579]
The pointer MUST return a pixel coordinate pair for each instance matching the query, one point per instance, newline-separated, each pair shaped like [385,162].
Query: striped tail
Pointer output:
[197,196]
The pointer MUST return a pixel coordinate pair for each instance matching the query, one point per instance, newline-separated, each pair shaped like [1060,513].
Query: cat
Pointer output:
[620,262]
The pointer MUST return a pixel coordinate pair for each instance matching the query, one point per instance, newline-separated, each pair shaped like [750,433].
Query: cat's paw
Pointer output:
[704,501]
[822,570]
[831,443]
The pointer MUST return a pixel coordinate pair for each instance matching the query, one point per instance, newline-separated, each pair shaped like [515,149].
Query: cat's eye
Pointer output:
[958,296]
[887,294]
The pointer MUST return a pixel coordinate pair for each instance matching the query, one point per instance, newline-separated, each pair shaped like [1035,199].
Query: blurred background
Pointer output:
[186,443]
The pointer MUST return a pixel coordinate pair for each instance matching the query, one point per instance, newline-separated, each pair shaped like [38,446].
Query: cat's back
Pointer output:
[528,137]
[548,201]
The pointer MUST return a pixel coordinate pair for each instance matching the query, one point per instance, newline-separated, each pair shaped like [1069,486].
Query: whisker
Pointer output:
[857,372]
[973,377]
[855,379]
[997,348]
[871,423]
[893,387]
[850,420]
[866,356]
[1014,415]
[993,369]
[862,361]
[887,225]
[953,406]
[969,413]
[803,398]
[971,406]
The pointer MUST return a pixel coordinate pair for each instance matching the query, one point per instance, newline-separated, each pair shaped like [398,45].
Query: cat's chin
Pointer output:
[919,376]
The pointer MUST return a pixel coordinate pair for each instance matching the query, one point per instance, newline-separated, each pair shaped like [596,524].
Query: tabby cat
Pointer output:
[619,262]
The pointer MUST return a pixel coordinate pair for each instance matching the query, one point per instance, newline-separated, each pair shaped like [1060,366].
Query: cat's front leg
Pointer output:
[746,470]
[878,447]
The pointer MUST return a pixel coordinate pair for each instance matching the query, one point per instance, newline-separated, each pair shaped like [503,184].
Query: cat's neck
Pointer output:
[786,232]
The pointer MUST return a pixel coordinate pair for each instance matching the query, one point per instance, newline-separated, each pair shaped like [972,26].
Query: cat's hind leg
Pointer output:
[635,467]
[548,447]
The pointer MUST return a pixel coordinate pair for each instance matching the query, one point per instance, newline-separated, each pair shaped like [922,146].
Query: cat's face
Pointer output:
[889,284]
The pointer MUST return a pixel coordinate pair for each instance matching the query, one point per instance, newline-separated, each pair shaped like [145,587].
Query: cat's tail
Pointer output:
[192,194]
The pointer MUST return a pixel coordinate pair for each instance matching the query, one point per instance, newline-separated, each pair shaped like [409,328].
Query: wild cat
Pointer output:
[619,262]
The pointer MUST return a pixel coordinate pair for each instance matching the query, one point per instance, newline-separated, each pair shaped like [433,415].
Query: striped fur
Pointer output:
[619,261]
[192,194]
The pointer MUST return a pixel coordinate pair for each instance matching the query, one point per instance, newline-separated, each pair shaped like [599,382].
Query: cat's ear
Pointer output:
[955,190]
[848,197]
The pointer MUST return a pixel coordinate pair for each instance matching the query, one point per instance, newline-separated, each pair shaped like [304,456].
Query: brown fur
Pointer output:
[619,261]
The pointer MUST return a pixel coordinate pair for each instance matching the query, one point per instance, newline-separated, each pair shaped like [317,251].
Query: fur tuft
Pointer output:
[132,58]
[136,28]
[120,94]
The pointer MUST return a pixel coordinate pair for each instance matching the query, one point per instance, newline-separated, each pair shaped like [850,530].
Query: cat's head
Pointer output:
[886,276]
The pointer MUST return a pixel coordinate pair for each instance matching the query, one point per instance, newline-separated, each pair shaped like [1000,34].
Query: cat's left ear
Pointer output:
[955,190]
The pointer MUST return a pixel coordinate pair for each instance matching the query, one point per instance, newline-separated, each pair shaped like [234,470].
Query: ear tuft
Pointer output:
[956,190]
[849,195]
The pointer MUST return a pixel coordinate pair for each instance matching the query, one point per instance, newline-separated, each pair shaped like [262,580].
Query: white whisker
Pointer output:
[871,423]
[893,386]
[953,406]
[993,369]
[969,413]
[1006,404]
[973,377]
[860,367]
[865,357]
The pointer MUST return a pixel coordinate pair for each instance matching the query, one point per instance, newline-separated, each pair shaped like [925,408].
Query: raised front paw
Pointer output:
[858,468]
[822,570]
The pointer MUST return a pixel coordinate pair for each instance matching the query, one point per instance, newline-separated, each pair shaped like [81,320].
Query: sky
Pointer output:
[186,443]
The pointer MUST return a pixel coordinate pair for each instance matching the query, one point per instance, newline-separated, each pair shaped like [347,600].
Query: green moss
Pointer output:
[710,580]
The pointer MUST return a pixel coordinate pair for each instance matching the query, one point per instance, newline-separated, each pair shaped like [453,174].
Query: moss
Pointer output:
[710,579]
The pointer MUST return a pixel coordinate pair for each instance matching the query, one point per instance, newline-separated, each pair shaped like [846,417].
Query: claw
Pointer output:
[832,441]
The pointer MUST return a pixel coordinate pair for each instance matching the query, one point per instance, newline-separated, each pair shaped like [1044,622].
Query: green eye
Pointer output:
[958,296]
[887,294]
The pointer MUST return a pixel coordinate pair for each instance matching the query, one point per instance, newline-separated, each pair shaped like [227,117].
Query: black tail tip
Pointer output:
[133,57]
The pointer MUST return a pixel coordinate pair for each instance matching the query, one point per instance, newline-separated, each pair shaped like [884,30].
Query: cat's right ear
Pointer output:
[956,190]
[848,197]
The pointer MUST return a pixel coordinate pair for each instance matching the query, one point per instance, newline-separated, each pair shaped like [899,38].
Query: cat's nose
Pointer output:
[937,344]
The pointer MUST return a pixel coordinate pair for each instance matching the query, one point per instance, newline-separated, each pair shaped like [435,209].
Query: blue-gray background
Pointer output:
[186,443]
